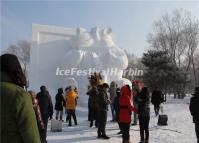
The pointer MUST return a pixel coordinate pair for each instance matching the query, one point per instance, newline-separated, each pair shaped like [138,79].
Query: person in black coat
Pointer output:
[92,105]
[156,99]
[103,103]
[59,103]
[116,105]
[194,109]
[46,108]
[135,92]
[143,101]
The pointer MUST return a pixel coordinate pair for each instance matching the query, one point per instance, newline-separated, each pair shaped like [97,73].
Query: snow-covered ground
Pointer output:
[180,128]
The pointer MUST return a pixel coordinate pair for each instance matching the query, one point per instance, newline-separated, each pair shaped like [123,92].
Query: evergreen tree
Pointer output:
[160,71]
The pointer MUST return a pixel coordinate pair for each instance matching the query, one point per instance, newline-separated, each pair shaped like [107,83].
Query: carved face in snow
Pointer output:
[95,49]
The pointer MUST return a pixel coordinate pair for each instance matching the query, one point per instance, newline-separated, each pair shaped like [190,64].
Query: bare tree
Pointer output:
[196,59]
[22,51]
[136,64]
[191,35]
[178,34]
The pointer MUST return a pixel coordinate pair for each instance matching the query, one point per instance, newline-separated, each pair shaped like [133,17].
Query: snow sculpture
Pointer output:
[56,48]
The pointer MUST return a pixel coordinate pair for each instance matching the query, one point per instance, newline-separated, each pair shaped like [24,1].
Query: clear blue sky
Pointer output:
[131,21]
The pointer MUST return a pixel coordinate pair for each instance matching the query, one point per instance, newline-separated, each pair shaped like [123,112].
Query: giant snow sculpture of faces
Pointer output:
[65,48]
[95,49]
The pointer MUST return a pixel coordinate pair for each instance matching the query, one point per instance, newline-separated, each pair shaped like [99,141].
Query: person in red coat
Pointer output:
[126,107]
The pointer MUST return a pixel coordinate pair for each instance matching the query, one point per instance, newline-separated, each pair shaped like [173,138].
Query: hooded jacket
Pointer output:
[157,97]
[71,100]
[103,100]
[143,100]
[59,101]
[126,106]
[45,104]
[93,96]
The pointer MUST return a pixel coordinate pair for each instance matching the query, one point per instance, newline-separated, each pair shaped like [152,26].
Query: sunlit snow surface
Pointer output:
[180,128]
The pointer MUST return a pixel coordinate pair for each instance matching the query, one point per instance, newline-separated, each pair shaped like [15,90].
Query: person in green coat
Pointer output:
[18,121]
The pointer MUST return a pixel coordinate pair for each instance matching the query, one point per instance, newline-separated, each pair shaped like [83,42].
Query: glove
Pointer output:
[42,125]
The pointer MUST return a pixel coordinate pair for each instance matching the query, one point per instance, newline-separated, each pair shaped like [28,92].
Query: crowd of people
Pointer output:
[122,102]
[22,123]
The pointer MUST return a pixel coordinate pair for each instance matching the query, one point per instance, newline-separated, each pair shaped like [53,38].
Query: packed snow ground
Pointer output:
[180,128]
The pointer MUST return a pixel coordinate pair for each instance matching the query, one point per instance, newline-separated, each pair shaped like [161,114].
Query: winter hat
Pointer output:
[60,90]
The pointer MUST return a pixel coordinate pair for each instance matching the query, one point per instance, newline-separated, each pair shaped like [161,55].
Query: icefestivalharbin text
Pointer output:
[89,71]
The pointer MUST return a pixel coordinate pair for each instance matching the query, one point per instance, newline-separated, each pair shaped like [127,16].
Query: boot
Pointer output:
[91,123]
[142,136]
[105,137]
[126,141]
[69,123]
[61,118]
[99,135]
[146,136]
[96,124]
